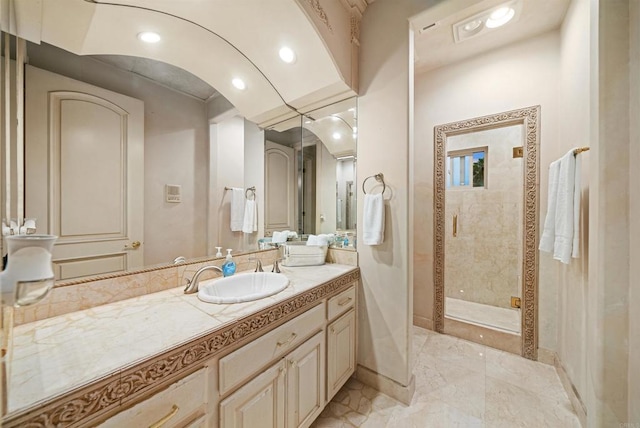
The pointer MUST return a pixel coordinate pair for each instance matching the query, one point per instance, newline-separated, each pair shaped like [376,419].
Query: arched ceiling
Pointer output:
[217,41]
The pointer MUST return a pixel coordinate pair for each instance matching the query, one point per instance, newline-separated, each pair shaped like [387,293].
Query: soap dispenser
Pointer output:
[229,266]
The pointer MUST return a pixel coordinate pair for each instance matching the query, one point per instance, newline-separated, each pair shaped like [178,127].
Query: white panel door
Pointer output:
[84,173]
[341,352]
[260,403]
[306,382]
[280,194]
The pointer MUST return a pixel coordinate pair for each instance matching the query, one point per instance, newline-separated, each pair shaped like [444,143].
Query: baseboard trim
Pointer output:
[569,387]
[387,386]
[547,356]
[423,322]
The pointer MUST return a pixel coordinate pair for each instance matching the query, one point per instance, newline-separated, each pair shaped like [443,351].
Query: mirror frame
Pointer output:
[529,117]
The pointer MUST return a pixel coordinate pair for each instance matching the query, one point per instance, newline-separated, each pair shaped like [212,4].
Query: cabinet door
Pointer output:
[341,352]
[305,382]
[260,403]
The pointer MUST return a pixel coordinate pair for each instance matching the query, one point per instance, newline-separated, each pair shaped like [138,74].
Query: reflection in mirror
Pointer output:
[115,223]
[319,156]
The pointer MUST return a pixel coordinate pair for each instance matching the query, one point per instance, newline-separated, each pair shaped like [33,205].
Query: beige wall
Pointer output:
[572,280]
[384,121]
[482,261]
[519,75]
[634,213]
[176,141]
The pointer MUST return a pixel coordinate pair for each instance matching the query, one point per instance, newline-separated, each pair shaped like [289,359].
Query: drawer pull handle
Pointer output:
[288,341]
[344,301]
[164,420]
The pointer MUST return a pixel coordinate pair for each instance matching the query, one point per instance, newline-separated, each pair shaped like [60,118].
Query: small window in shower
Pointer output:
[467,168]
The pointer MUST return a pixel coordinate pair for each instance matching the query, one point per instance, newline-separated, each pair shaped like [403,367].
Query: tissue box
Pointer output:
[300,254]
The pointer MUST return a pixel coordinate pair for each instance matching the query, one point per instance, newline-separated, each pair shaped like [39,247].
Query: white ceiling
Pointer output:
[215,40]
[166,74]
[435,47]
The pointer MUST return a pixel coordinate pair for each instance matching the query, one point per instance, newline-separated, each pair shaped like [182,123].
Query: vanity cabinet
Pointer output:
[288,394]
[341,352]
[181,404]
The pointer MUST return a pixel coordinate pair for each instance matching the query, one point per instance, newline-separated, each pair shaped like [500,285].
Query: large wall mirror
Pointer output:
[486,220]
[312,159]
[164,157]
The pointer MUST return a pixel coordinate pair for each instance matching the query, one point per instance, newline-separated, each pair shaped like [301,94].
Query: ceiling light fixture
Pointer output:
[287,55]
[336,135]
[500,16]
[239,84]
[487,20]
[149,37]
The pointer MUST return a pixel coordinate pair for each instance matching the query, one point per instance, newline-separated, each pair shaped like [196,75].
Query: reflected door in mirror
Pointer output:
[84,173]
[280,199]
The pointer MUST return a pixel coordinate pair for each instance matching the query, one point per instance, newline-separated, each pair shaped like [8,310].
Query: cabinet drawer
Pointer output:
[341,303]
[238,366]
[178,402]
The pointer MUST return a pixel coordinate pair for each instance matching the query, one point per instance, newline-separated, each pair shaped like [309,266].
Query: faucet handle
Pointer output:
[258,263]
[276,267]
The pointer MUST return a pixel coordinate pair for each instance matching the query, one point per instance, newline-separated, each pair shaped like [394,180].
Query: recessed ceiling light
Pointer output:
[287,55]
[239,84]
[336,135]
[499,17]
[149,37]
[473,25]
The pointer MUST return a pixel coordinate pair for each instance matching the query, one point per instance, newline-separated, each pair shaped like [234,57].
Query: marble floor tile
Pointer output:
[459,384]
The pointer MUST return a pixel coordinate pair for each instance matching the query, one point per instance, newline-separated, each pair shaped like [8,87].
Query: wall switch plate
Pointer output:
[173,193]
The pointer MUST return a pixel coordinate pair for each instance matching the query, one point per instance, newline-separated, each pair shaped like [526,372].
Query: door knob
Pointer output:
[134,245]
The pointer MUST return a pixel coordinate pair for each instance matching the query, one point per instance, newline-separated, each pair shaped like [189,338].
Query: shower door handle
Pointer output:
[455,226]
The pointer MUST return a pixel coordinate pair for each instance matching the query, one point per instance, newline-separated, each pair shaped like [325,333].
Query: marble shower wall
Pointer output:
[482,263]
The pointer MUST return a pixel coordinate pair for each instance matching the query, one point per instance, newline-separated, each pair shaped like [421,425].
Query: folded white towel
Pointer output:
[373,219]
[280,237]
[549,230]
[562,246]
[250,223]
[237,209]
[321,240]
[561,226]
[577,196]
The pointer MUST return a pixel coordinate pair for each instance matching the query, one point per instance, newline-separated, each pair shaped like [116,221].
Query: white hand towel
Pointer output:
[373,219]
[562,246]
[577,195]
[250,223]
[549,232]
[237,209]
[312,240]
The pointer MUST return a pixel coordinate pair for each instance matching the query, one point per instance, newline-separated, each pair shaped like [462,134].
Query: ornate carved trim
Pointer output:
[319,11]
[529,117]
[91,403]
[355,28]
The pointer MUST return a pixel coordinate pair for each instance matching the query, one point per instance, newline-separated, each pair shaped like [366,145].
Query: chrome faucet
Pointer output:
[258,264]
[192,285]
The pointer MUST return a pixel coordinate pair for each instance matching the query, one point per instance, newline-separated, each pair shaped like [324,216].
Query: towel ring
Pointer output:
[251,189]
[379,178]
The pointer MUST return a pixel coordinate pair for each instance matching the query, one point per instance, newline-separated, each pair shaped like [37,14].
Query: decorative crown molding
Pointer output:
[319,11]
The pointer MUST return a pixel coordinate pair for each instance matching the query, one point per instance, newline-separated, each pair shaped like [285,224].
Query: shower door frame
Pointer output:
[529,117]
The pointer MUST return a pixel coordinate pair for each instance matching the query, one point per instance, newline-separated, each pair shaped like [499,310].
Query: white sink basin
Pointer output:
[243,287]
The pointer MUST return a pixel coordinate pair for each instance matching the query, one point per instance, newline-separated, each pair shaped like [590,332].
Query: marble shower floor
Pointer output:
[459,384]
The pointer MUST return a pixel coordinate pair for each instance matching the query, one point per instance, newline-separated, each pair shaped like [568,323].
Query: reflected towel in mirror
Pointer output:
[237,209]
[250,223]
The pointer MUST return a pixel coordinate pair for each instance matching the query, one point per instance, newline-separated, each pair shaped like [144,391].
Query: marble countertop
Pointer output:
[56,355]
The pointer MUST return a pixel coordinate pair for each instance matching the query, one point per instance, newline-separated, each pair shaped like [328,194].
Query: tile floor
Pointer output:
[459,384]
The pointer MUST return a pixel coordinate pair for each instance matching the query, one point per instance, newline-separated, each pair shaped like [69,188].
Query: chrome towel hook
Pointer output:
[379,178]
